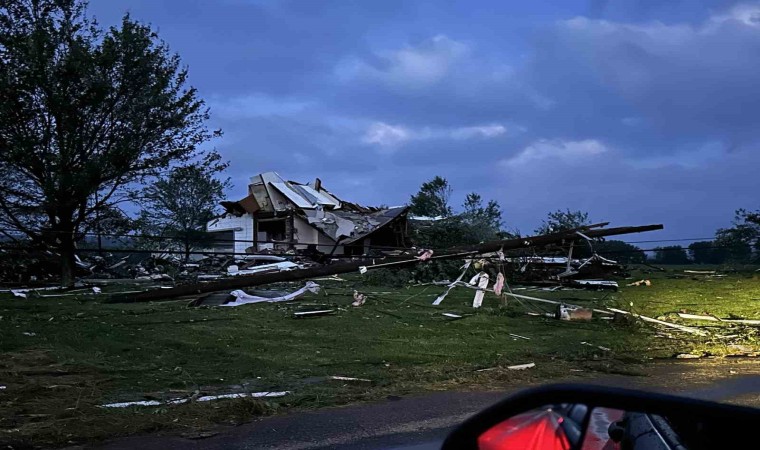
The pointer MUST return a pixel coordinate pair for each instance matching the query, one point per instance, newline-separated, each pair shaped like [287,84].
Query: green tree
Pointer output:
[672,254]
[482,222]
[86,117]
[620,251]
[432,200]
[178,206]
[740,241]
[562,220]
[706,252]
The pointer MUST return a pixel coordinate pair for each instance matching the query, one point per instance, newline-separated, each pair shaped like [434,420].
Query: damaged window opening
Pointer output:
[268,230]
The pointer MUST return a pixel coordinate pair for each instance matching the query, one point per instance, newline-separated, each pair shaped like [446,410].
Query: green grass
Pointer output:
[84,353]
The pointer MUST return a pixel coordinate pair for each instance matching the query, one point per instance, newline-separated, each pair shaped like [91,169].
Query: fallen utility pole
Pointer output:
[243,281]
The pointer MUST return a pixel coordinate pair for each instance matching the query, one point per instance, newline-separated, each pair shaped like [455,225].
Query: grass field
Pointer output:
[62,357]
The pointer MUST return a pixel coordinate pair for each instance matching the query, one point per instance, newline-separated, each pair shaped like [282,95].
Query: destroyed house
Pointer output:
[279,215]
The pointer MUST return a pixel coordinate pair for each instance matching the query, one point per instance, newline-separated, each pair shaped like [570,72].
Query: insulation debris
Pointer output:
[499,284]
[243,298]
[640,283]
[359,299]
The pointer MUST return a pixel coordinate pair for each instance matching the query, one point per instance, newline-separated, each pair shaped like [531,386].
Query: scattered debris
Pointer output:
[522,366]
[425,255]
[698,317]
[640,283]
[320,312]
[687,356]
[335,377]
[700,272]
[359,299]
[568,312]
[661,322]
[597,346]
[18,293]
[464,268]
[206,398]
[242,298]
[452,315]
[552,302]
[373,262]
[234,270]
[595,284]
[29,333]
[519,337]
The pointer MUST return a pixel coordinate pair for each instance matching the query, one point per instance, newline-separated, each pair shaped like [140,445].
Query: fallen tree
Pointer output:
[243,281]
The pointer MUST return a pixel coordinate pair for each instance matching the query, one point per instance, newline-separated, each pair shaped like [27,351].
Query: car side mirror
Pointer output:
[584,417]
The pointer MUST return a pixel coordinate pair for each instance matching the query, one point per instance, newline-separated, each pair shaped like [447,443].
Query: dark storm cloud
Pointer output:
[635,111]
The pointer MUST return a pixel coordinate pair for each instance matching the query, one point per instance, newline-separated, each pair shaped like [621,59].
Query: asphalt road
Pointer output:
[422,422]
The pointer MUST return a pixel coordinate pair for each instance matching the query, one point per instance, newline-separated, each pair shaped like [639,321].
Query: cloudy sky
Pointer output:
[636,111]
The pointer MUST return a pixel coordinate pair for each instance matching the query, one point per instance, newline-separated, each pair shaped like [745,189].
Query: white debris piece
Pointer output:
[313,313]
[339,378]
[661,322]
[275,267]
[96,290]
[477,301]
[451,286]
[519,337]
[522,366]
[18,293]
[452,315]
[29,333]
[128,404]
[205,398]
[2,388]
[244,298]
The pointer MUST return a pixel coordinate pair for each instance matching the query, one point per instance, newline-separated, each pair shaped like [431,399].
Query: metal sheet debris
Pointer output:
[243,298]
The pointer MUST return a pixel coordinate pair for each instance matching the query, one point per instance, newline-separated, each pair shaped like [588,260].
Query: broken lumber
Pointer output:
[243,281]
[660,322]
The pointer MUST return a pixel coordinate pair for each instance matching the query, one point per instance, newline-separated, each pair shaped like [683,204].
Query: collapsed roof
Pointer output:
[270,195]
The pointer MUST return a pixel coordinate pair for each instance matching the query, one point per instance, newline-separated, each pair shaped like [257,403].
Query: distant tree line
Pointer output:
[477,222]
